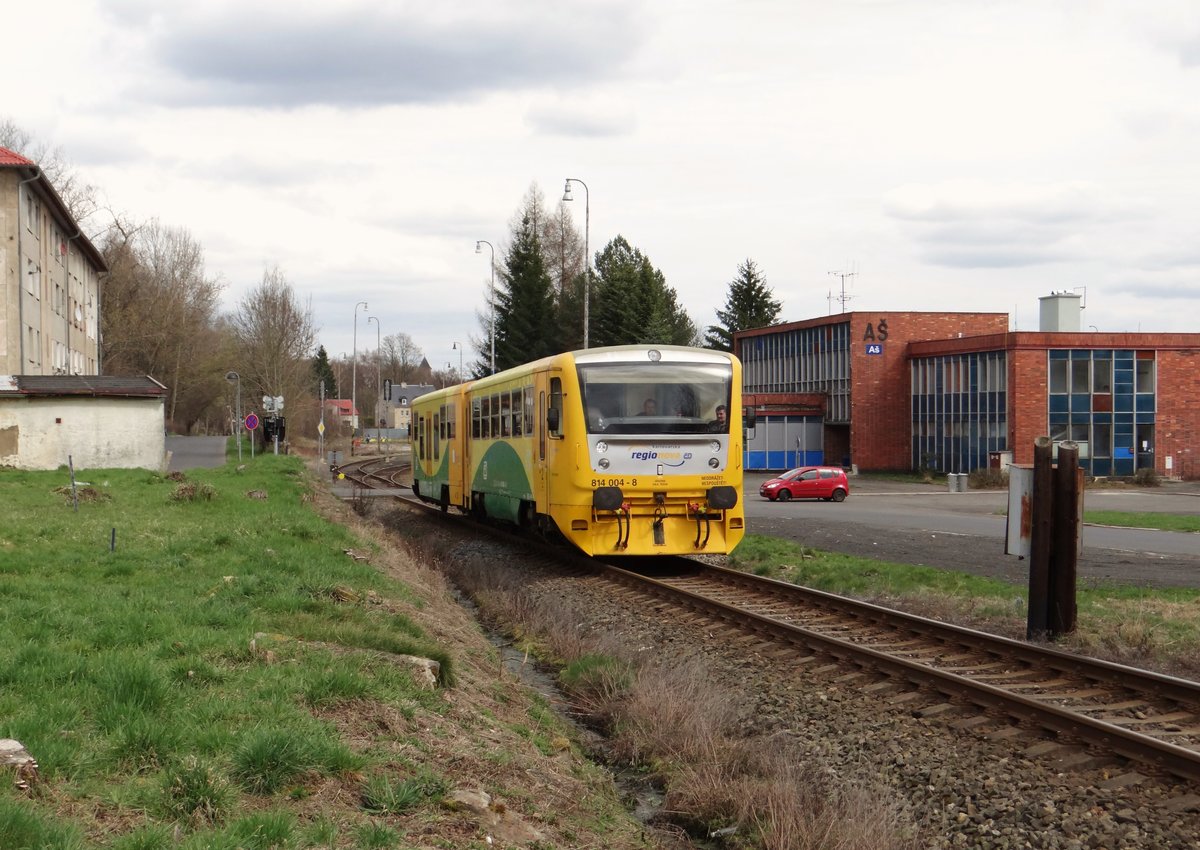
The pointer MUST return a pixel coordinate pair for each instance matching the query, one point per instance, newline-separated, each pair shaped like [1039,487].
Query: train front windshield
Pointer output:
[656,398]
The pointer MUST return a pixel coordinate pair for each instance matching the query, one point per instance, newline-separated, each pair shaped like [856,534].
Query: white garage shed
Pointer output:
[98,421]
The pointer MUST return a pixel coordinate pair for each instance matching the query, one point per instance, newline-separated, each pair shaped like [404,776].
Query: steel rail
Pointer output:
[1121,675]
[1177,760]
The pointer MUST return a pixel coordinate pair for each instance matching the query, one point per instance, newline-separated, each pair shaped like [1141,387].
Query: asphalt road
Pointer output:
[192,452]
[921,524]
[983,512]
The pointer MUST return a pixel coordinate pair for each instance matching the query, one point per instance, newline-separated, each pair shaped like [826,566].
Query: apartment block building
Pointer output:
[49,278]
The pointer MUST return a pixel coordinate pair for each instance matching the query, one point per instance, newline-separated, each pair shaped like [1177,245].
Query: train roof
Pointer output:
[606,354]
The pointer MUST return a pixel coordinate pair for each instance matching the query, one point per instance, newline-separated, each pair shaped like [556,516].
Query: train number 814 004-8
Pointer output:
[614,482]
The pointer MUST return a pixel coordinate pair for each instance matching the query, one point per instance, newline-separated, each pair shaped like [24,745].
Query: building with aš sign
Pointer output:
[956,392]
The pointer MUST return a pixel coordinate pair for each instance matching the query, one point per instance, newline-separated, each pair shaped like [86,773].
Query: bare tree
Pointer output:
[79,196]
[275,339]
[401,357]
[159,315]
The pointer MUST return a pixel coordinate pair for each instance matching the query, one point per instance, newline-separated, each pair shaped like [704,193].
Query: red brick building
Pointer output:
[957,391]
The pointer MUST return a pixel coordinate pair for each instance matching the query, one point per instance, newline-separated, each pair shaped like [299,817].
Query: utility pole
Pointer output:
[843,298]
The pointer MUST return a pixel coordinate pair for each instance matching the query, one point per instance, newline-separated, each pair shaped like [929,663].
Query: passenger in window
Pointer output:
[649,408]
[721,423]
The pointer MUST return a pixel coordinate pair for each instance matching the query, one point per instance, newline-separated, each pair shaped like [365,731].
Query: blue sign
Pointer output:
[874,348]
[251,421]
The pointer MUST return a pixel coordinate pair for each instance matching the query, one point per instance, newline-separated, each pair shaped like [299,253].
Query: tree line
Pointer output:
[542,275]
[161,316]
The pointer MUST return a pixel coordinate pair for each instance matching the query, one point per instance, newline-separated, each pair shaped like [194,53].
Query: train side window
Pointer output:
[505,414]
[529,404]
[556,404]
[485,430]
[437,443]
[516,412]
[475,417]
[451,420]
[421,436]
[495,415]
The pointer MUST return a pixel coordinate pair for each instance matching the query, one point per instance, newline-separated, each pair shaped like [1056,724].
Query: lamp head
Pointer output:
[478,247]
[567,191]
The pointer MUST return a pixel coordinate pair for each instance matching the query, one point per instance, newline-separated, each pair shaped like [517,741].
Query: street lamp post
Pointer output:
[378,369]
[235,378]
[354,377]
[587,259]
[459,346]
[492,266]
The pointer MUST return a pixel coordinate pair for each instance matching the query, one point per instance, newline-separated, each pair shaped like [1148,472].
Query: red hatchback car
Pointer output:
[808,482]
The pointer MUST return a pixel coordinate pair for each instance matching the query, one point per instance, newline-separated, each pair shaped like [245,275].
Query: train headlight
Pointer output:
[603,463]
[601,446]
[714,446]
[654,354]
[714,462]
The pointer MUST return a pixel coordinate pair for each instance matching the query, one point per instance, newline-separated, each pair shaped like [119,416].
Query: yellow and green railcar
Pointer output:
[628,450]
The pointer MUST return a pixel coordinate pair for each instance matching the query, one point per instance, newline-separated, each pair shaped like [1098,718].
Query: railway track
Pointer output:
[379,472]
[1143,716]
[1015,689]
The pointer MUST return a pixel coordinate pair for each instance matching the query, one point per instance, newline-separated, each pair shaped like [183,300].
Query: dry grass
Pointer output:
[672,722]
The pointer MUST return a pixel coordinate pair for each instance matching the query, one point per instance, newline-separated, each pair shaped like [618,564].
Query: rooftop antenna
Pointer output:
[843,298]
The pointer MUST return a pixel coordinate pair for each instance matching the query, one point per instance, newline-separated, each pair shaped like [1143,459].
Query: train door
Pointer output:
[452,418]
[548,389]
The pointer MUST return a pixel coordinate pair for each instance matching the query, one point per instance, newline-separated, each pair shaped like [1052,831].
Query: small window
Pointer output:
[517,410]
[1102,376]
[1058,376]
[529,404]
[485,418]
[495,415]
[1145,372]
[1080,377]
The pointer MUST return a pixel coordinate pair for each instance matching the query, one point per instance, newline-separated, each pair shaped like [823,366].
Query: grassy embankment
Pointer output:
[1154,627]
[225,676]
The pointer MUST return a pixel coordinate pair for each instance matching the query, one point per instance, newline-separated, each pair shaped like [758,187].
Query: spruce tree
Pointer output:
[632,302]
[322,371]
[749,304]
[526,320]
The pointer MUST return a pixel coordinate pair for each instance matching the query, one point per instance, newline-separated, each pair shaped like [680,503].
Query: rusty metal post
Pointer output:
[1064,555]
[1038,622]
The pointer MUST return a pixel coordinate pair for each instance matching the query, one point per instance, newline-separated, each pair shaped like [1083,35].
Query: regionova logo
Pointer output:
[668,457]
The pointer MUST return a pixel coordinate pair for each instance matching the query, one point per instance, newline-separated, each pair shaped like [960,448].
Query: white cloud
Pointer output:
[956,155]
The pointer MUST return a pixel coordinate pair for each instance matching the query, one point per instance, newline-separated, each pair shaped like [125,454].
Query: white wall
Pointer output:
[39,433]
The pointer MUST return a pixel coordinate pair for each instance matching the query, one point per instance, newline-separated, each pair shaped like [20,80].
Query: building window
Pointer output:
[1080,379]
[1145,372]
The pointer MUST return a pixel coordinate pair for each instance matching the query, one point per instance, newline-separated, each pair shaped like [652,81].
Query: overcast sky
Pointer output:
[954,155]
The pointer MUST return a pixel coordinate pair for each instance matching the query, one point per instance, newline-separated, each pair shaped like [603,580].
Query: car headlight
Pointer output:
[601,446]
[603,463]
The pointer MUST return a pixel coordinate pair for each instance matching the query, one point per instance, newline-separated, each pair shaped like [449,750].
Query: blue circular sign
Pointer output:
[251,421]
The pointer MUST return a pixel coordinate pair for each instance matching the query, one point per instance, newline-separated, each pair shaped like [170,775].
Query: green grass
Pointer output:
[1166,522]
[836,573]
[129,673]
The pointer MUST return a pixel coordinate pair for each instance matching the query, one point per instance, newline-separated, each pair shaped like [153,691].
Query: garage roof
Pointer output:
[80,385]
